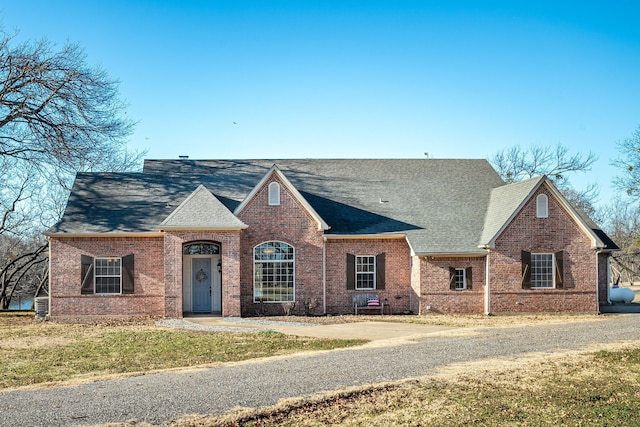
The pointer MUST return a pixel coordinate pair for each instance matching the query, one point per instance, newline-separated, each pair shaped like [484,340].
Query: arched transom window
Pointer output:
[200,248]
[274,272]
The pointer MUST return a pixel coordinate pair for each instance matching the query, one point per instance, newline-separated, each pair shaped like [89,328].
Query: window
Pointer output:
[365,272]
[274,194]
[542,206]
[459,278]
[108,275]
[542,270]
[274,275]
[200,248]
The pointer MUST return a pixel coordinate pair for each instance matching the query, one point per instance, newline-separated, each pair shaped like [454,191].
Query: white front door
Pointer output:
[201,284]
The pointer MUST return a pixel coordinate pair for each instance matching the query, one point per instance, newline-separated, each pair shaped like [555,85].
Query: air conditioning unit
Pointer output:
[41,305]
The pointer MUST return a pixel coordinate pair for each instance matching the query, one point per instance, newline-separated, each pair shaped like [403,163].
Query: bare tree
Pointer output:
[515,164]
[629,164]
[58,116]
[623,226]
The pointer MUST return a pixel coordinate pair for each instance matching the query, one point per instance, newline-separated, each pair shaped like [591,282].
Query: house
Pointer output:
[247,237]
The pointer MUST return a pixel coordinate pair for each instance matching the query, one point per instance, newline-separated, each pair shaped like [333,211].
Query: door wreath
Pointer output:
[201,276]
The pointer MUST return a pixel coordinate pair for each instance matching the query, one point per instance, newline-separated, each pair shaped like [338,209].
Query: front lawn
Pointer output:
[43,352]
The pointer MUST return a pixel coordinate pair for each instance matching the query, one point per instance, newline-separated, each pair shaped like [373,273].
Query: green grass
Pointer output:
[35,353]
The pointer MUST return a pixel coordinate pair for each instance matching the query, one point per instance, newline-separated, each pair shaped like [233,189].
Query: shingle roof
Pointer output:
[503,204]
[439,204]
[201,210]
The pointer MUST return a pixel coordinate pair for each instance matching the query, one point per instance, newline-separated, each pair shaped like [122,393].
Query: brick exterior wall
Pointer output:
[229,242]
[558,232]
[412,284]
[397,292]
[435,294]
[290,223]
[65,277]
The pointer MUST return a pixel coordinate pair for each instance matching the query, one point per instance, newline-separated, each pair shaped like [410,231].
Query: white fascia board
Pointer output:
[452,254]
[364,236]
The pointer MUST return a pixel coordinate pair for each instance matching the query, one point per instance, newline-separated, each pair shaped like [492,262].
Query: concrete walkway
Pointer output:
[369,330]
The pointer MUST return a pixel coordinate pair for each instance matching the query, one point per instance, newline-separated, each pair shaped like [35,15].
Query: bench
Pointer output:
[361,301]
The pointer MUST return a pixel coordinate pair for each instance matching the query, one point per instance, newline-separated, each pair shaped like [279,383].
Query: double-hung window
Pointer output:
[108,275]
[459,279]
[365,272]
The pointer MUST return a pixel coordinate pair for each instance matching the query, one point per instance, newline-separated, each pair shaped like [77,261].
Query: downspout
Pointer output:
[48,315]
[598,252]
[608,278]
[487,293]
[324,275]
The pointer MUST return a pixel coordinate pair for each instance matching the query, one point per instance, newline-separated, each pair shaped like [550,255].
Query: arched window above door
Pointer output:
[200,248]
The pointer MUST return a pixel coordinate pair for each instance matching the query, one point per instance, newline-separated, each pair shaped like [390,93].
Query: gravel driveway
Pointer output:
[161,397]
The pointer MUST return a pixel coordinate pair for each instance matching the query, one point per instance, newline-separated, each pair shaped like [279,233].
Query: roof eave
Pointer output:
[187,228]
[106,234]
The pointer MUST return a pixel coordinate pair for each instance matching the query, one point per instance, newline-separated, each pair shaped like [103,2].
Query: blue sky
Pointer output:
[360,79]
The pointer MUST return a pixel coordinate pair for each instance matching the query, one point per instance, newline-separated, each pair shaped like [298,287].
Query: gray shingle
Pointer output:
[443,206]
[201,210]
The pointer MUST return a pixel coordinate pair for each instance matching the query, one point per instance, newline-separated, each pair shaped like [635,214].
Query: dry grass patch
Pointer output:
[48,353]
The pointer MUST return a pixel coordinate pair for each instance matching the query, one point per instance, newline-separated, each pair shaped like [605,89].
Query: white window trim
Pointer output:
[292,261]
[367,272]
[553,271]
[464,279]
[274,194]
[95,276]
[542,206]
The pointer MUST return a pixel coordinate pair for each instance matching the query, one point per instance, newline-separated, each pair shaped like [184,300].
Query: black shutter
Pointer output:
[526,269]
[559,270]
[467,273]
[86,275]
[351,271]
[380,274]
[452,278]
[127,274]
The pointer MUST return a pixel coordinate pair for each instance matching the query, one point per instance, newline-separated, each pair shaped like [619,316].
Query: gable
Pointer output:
[201,210]
[264,206]
[507,203]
